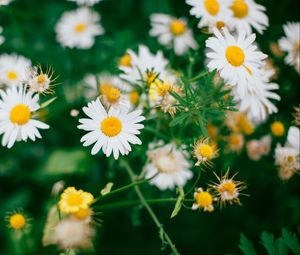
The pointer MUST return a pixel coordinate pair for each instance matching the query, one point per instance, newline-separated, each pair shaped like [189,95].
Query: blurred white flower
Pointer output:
[111,131]
[14,69]
[172,32]
[291,44]
[86,2]
[78,29]
[293,138]
[247,15]
[258,148]
[5,2]
[167,166]
[210,12]
[16,120]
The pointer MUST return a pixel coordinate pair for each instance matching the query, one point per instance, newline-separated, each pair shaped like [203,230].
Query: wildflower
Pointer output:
[16,120]
[203,200]
[71,233]
[72,200]
[277,129]
[235,141]
[125,60]
[210,11]
[145,67]
[111,131]
[13,69]
[86,2]
[204,151]
[78,29]
[291,44]
[40,82]
[238,122]
[172,32]
[248,14]
[17,220]
[258,148]
[167,166]
[227,190]
[236,58]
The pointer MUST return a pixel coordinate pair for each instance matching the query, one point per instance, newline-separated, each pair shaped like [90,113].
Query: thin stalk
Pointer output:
[199,76]
[144,202]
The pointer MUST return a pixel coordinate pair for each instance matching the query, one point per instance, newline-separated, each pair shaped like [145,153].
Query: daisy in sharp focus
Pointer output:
[16,116]
[167,166]
[203,200]
[291,44]
[247,15]
[211,12]
[145,66]
[86,2]
[13,69]
[236,58]
[204,151]
[112,131]
[172,32]
[78,28]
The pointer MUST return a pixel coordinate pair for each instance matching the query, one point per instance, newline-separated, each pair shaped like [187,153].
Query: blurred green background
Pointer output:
[28,171]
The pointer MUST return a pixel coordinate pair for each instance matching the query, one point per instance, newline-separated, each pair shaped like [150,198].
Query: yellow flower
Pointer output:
[277,128]
[73,200]
[204,151]
[17,221]
[203,200]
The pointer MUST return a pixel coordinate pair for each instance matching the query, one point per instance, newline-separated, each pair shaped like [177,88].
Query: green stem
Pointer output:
[144,202]
[199,76]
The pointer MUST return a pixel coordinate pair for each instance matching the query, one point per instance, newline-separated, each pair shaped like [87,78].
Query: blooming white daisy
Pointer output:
[78,29]
[16,120]
[237,59]
[2,39]
[86,2]
[210,11]
[256,103]
[291,44]
[111,131]
[145,67]
[167,166]
[248,14]
[13,69]
[172,32]
[40,82]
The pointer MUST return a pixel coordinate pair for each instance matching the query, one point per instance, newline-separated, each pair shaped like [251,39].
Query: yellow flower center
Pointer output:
[234,139]
[166,163]
[204,199]
[111,126]
[74,199]
[150,77]
[228,187]
[134,97]
[80,27]
[290,159]
[41,79]
[83,213]
[235,55]
[240,9]
[17,221]
[205,150]
[220,24]
[125,60]
[244,125]
[20,114]
[11,75]
[212,7]
[277,128]
[112,94]
[177,27]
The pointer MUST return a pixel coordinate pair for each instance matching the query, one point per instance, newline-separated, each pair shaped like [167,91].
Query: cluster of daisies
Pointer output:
[21,85]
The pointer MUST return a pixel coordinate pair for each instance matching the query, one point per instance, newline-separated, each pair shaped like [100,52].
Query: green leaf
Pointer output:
[48,102]
[291,241]
[107,188]
[246,246]
[179,119]
[179,201]
[282,247]
[268,243]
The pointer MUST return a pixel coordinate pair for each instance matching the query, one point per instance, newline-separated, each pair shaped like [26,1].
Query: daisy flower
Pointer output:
[16,116]
[258,148]
[204,151]
[86,2]
[210,11]
[277,128]
[291,44]
[203,200]
[2,39]
[227,190]
[40,82]
[13,69]
[235,141]
[172,32]
[293,137]
[145,67]
[78,29]
[17,220]
[167,166]
[236,58]
[111,131]
[239,122]
[72,200]
[247,15]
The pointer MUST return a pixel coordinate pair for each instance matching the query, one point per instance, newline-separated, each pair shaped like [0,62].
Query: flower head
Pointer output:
[203,200]
[204,151]
[17,220]
[277,128]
